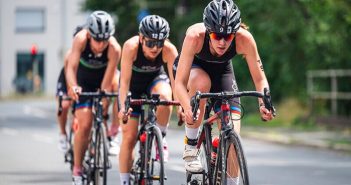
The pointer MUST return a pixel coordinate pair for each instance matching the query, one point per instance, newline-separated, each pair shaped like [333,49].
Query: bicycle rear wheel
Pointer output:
[154,164]
[235,167]
[100,157]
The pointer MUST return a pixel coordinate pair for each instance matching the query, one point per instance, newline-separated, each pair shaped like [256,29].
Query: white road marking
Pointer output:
[36,112]
[9,131]
[43,138]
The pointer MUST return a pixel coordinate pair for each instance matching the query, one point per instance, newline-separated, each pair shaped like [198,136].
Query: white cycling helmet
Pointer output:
[100,25]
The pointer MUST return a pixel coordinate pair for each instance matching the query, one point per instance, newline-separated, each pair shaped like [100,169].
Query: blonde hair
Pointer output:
[243,25]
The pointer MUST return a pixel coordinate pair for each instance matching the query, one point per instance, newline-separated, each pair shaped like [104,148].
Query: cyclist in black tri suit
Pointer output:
[92,65]
[142,72]
[205,65]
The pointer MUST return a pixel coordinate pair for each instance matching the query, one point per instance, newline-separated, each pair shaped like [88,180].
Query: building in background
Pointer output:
[47,25]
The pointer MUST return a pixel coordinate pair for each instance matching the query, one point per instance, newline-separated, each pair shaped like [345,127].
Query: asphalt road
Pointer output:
[29,154]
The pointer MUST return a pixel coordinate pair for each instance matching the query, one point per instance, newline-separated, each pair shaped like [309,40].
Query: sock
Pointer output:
[77,171]
[162,128]
[191,133]
[124,178]
[233,181]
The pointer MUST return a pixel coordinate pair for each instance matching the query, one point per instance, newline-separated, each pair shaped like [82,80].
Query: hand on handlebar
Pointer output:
[124,115]
[267,109]
[189,116]
[74,92]
[266,114]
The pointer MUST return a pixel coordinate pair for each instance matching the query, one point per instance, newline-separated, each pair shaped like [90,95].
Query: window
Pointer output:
[29,73]
[30,20]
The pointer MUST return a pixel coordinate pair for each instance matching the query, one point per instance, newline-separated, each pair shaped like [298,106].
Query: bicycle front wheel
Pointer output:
[69,156]
[100,157]
[234,168]
[154,164]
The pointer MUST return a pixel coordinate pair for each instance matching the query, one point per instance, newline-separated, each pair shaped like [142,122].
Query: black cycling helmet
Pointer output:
[222,16]
[100,25]
[154,27]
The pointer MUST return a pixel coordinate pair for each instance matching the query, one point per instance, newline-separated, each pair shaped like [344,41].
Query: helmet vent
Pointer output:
[98,21]
[223,21]
[224,7]
[106,26]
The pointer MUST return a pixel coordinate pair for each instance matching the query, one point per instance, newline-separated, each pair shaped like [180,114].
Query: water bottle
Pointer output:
[215,142]
[142,137]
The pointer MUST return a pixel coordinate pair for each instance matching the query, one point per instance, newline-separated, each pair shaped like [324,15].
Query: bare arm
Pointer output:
[247,46]
[114,53]
[79,43]
[65,60]
[129,52]
[170,53]
[183,71]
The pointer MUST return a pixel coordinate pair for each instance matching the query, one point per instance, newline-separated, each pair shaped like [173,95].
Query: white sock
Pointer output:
[191,133]
[124,178]
[233,181]
[162,128]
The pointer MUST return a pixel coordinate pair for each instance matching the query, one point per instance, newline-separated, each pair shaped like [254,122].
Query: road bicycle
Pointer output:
[73,126]
[96,162]
[148,165]
[227,160]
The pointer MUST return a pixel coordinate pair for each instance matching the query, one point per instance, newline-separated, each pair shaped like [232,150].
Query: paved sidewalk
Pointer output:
[321,139]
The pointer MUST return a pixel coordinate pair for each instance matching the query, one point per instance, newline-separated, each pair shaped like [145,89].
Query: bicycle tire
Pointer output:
[100,157]
[205,156]
[136,173]
[233,142]
[154,166]
[69,155]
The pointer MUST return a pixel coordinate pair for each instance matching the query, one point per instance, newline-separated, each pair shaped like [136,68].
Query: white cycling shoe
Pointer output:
[114,147]
[77,180]
[63,143]
[191,159]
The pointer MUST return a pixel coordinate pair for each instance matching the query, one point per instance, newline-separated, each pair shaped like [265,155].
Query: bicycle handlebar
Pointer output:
[99,94]
[195,100]
[155,100]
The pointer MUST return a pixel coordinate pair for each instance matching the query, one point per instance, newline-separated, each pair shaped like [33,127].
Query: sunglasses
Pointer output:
[100,39]
[220,36]
[153,43]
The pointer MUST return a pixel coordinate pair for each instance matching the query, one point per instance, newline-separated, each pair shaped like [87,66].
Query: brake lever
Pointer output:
[194,102]
[127,105]
[59,112]
[267,100]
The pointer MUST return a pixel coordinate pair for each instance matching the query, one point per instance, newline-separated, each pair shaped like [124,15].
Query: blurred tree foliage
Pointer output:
[292,36]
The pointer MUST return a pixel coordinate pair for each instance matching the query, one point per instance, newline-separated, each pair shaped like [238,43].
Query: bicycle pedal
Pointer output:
[196,173]
[155,177]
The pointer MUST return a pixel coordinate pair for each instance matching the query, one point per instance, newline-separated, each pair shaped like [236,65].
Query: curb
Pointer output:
[309,139]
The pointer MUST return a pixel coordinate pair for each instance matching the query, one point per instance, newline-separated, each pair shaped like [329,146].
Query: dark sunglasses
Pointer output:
[100,40]
[153,43]
[220,36]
